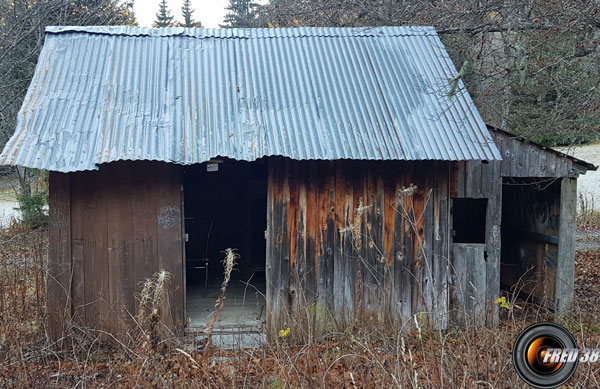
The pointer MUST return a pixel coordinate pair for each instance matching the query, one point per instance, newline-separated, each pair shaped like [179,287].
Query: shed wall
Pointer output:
[110,230]
[346,240]
[524,159]
[356,239]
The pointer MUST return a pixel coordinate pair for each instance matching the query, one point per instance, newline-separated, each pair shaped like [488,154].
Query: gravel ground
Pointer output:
[587,240]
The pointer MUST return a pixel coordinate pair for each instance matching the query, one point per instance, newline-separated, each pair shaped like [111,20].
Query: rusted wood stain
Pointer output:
[359,236]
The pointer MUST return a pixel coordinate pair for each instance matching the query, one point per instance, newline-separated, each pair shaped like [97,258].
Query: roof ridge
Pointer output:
[248,33]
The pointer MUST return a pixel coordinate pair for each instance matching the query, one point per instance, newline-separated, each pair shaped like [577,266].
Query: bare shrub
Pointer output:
[229,262]
[151,298]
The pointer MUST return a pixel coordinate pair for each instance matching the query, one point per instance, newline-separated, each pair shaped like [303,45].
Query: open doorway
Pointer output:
[225,207]
[530,223]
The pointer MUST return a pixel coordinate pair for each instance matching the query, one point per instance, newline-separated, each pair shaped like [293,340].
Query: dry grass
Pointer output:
[364,355]
[588,218]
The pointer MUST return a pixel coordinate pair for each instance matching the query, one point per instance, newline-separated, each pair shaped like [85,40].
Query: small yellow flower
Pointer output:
[503,303]
[283,333]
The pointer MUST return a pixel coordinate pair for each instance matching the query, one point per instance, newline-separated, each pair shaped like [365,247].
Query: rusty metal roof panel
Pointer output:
[179,95]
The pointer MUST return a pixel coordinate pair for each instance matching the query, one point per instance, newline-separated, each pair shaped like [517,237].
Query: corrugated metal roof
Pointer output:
[103,94]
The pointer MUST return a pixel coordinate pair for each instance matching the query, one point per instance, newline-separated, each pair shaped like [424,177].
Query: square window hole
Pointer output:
[468,217]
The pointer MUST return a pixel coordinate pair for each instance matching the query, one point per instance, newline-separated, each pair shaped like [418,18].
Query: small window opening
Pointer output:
[469,220]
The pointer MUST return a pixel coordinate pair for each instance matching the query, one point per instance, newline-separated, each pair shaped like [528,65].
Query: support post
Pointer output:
[565,272]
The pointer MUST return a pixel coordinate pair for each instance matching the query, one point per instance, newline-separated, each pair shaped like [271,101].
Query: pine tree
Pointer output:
[188,15]
[241,14]
[163,16]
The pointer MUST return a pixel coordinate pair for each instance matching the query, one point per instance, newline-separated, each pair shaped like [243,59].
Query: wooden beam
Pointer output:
[565,272]
[493,242]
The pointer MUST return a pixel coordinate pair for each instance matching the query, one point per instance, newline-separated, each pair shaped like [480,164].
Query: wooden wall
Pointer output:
[346,240]
[525,159]
[478,180]
[109,230]
[356,239]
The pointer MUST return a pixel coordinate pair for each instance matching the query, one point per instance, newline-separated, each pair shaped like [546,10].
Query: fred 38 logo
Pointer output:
[545,355]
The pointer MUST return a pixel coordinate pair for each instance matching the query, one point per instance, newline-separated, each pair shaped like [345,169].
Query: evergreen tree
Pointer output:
[163,16]
[241,14]
[188,15]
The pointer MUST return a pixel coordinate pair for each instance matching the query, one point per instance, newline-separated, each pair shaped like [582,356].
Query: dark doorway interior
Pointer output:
[225,207]
[530,222]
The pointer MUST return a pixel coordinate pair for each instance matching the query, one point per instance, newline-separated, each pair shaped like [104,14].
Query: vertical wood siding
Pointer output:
[346,240]
[357,240]
[523,159]
[477,180]
[59,255]
[109,230]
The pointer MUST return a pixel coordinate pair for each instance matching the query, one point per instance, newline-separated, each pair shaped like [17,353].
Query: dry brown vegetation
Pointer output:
[368,355]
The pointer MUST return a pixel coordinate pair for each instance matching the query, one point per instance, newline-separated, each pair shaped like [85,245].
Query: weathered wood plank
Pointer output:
[274,241]
[303,298]
[420,234]
[534,168]
[360,204]
[473,179]
[121,285]
[312,234]
[369,261]
[284,251]
[388,251]
[169,243]
[507,157]
[440,247]
[424,215]
[468,284]
[328,239]
[492,241]
[144,222]
[349,260]
[95,250]
[377,236]
[59,255]
[270,246]
[338,254]
[461,169]
[77,238]
[405,206]
[401,298]
[293,221]
[488,181]
[565,271]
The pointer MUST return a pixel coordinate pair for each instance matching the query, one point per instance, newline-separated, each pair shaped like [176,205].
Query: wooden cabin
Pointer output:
[352,183]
